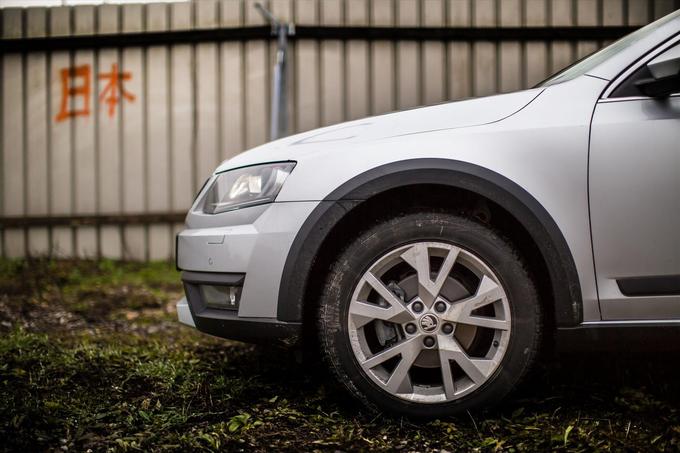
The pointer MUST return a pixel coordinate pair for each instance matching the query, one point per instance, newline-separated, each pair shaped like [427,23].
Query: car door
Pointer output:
[634,190]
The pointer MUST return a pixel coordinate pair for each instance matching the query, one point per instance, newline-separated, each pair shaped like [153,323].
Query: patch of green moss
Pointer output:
[97,274]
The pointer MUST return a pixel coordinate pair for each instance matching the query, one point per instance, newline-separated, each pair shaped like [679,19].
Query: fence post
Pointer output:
[279,112]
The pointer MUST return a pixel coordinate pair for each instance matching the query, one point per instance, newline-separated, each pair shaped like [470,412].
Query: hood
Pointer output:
[452,115]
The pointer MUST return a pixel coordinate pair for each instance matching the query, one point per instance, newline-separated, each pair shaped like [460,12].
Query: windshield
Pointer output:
[584,65]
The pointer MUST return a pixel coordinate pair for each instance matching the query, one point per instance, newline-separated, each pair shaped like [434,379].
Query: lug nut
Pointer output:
[411,328]
[440,307]
[417,307]
[428,342]
[447,328]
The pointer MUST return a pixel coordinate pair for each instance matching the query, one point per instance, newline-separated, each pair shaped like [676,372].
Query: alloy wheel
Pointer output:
[429,322]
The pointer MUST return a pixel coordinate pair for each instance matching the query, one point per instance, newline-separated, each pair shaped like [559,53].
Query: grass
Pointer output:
[91,357]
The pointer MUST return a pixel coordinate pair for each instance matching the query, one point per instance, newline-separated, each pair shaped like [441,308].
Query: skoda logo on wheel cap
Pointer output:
[429,323]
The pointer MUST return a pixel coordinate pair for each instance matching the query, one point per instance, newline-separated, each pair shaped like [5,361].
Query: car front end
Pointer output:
[233,250]
[243,223]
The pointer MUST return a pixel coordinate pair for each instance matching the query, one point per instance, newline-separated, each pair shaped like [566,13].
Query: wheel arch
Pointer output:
[317,233]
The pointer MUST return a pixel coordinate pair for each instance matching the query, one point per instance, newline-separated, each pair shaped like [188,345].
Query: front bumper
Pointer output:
[226,323]
[249,248]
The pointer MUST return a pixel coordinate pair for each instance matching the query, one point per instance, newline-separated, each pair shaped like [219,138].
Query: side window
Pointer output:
[630,86]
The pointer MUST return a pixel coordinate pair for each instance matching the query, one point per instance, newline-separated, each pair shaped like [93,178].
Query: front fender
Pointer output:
[541,227]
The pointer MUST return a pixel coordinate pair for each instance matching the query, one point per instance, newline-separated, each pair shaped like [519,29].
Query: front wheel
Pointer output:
[428,315]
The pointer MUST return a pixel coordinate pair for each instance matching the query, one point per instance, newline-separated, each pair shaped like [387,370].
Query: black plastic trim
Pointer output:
[249,330]
[227,324]
[213,278]
[617,81]
[493,186]
[623,336]
[663,285]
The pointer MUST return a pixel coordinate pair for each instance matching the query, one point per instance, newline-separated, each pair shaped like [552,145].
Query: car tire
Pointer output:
[364,320]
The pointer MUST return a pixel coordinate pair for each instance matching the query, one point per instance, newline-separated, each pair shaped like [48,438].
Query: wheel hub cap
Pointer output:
[429,323]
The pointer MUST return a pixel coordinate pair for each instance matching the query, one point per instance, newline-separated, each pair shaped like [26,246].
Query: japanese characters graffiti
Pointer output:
[76,91]
[109,94]
[76,85]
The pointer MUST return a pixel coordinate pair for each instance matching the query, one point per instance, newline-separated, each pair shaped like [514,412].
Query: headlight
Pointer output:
[243,187]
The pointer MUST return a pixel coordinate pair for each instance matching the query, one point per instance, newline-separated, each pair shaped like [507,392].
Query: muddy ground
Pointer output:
[91,357]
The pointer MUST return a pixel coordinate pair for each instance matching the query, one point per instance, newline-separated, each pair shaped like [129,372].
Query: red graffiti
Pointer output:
[76,91]
[71,90]
[112,92]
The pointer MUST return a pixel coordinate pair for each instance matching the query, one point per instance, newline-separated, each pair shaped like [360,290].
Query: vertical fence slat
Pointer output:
[485,13]
[460,13]
[109,139]
[331,60]
[182,104]
[586,15]
[382,60]
[133,126]
[36,22]
[84,153]
[61,171]
[357,63]
[408,57]
[561,13]
[587,12]
[207,99]
[433,72]
[638,12]
[561,52]
[459,73]
[284,11]
[13,142]
[663,7]
[13,23]
[37,138]
[158,168]
[257,82]
[484,69]
[181,113]
[233,93]
[306,70]
[612,12]
[510,52]
[536,52]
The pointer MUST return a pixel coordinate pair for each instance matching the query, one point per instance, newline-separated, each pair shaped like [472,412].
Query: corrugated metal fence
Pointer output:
[113,116]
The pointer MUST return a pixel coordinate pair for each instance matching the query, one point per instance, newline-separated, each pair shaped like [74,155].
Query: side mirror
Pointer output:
[665,71]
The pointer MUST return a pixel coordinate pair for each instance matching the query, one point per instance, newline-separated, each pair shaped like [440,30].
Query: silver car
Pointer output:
[429,254]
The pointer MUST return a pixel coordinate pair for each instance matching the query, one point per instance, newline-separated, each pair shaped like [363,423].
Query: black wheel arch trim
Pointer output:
[568,304]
